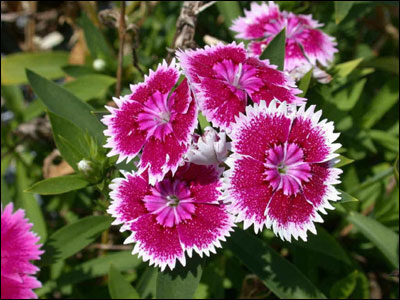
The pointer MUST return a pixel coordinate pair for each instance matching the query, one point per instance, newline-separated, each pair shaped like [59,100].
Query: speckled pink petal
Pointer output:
[210,225]
[128,194]
[247,191]
[156,243]
[18,248]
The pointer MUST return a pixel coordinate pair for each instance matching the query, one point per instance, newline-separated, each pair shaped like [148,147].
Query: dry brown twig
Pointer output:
[121,33]
[185,27]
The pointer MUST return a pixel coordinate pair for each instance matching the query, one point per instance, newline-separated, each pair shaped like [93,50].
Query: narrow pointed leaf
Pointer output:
[382,237]
[63,103]
[72,238]
[180,283]
[275,50]
[118,287]
[279,275]
[58,185]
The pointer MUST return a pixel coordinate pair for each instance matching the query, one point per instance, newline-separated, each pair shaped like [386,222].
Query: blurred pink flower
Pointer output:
[179,214]
[281,172]
[223,78]
[154,118]
[18,247]
[306,45]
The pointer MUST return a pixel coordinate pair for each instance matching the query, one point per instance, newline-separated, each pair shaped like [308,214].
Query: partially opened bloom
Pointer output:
[224,78]
[306,45]
[281,172]
[18,247]
[211,148]
[179,214]
[155,117]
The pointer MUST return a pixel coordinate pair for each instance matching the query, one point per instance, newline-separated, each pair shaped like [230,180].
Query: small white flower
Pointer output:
[209,149]
[99,64]
[84,166]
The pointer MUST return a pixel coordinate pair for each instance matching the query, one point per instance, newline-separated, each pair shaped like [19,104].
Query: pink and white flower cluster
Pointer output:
[307,47]
[268,161]
[18,247]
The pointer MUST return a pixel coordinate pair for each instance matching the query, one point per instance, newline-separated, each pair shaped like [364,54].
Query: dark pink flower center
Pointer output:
[286,169]
[157,116]
[241,77]
[171,202]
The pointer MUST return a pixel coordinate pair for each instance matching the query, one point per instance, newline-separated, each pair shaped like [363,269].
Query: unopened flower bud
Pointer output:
[99,64]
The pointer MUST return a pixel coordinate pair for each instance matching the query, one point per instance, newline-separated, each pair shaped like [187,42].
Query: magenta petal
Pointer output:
[162,80]
[210,225]
[252,25]
[127,195]
[125,136]
[184,124]
[311,139]
[181,97]
[219,102]
[18,247]
[317,46]
[247,191]
[291,215]
[154,157]
[156,243]
[262,130]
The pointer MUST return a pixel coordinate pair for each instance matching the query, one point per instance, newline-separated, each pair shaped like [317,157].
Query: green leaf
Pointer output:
[344,69]
[203,121]
[70,140]
[343,288]
[279,275]
[146,286]
[58,185]
[66,105]
[325,244]
[382,237]
[122,260]
[47,64]
[347,97]
[94,86]
[370,181]
[230,10]
[14,98]
[305,83]
[180,283]
[34,109]
[72,238]
[78,70]
[119,287]
[386,98]
[386,63]
[362,288]
[275,50]
[387,140]
[343,161]
[346,197]
[29,203]
[342,8]
[95,40]
[396,169]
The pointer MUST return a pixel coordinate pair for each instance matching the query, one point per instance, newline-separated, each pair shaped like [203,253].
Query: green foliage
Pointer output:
[275,50]
[119,287]
[383,238]
[180,283]
[58,185]
[278,274]
[46,64]
[60,101]
[72,238]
